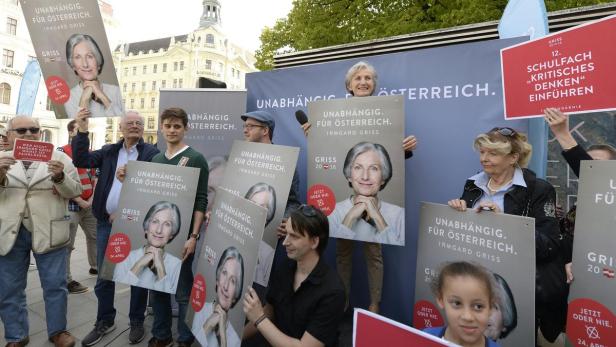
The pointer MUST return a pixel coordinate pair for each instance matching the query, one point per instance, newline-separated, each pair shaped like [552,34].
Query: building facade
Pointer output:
[184,61]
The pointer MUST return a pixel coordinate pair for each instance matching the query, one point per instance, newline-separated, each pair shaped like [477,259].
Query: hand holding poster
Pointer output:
[156,202]
[225,270]
[370,329]
[493,241]
[591,320]
[32,150]
[571,70]
[262,173]
[356,167]
[72,49]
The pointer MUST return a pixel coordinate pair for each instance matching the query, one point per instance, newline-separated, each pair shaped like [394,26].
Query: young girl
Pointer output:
[465,291]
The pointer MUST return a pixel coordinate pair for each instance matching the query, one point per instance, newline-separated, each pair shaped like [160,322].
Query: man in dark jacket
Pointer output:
[104,205]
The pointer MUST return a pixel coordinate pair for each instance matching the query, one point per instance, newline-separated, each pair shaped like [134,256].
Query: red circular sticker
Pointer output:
[322,197]
[197,294]
[118,248]
[426,315]
[589,323]
[57,89]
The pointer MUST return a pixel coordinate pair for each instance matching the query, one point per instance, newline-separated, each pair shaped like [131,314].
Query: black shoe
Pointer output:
[21,343]
[101,328]
[75,287]
[136,334]
[154,342]
[93,271]
[184,344]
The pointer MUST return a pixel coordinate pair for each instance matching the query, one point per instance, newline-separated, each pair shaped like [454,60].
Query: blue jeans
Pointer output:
[105,289]
[13,281]
[161,304]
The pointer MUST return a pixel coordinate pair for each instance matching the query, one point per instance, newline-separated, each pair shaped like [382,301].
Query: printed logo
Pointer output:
[609,273]
[549,209]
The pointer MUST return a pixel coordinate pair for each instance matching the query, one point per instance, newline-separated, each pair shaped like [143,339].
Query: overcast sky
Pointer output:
[242,20]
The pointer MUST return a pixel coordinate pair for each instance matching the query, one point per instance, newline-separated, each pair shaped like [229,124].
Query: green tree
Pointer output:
[320,23]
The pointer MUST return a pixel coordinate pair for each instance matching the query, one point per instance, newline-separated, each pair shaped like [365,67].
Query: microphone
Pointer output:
[301,117]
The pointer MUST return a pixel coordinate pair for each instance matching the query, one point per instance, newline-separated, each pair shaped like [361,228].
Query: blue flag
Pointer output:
[529,18]
[28,89]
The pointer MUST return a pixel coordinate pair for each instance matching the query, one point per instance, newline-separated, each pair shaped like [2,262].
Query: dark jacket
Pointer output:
[574,156]
[550,278]
[104,159]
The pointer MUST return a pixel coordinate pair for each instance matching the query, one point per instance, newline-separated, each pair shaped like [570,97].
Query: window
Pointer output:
[164,67]
[132,103]
[7,57]
[5,93]
[154,68]
[175,83]
[46,135]
[180,82]
[124,88]
[142,103]
[209,38]
[11,26]
[175,66]
[134,70]
[125,71]
[143,86]
[145,69]
[220,67]
[163,84]
[153,103]
[151,122]
[49,105]
[132,87]
[181,65]
[154,85]
[208,64]
[151,139]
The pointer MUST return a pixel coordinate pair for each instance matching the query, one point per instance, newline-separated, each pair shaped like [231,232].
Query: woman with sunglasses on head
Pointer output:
[506,186]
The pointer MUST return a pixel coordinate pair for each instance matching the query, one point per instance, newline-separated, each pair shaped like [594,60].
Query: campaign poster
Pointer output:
[262,173]
[225,270]
[356,167]
[371,329]
[503,244]
[151,225]
[571,70]
[591,320]
[72,48]
[32,150]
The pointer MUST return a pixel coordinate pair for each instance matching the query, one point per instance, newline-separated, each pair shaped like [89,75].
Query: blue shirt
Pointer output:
[481,180]
[440,332]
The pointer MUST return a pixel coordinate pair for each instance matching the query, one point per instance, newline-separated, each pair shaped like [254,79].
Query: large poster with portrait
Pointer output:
[591,318]
[225,269]
[72,48]
[150,226]
[502,244]
[262,173]
[356,167]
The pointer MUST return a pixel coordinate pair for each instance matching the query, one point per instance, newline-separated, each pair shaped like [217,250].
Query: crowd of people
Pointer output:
[41,204]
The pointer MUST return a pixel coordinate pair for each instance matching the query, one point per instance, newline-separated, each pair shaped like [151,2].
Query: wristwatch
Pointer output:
[196,237]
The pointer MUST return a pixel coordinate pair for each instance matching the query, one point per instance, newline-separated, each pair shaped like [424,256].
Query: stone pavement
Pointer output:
[81,307]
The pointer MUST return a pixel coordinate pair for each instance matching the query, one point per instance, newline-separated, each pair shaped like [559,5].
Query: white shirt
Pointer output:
[114,194]
[481,181]
[210,340]
[147,279]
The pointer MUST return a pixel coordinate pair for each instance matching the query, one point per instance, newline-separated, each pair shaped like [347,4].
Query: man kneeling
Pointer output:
[306,298]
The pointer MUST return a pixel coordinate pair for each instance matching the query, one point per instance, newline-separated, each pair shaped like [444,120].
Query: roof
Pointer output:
[154,45]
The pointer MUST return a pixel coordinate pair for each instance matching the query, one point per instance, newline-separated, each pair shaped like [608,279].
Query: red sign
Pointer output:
[197,294]
[322,197]
[426,315]
[57,89]
[370,329]
[572,70]
[590,324]
[32,150]
[118,248]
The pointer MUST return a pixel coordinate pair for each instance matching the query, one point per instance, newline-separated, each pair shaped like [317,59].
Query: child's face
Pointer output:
[466,302]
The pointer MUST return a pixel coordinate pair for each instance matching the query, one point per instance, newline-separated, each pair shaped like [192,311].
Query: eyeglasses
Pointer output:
[307,210]
[505,131]
[22,131]
[133,123]
[251,126]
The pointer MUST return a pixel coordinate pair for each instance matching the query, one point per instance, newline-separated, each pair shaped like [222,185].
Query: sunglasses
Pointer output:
[307,210]
[22,131]
[506,131]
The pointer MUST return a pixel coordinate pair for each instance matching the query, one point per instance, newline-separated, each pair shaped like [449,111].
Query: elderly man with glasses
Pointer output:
[34,217]
[108,160]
